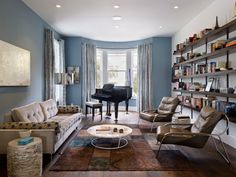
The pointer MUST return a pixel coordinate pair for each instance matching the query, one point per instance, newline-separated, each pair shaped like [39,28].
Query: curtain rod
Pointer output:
[117,48]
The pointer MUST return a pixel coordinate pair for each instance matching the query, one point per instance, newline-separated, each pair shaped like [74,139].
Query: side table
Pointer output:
[181,119]
[24,160]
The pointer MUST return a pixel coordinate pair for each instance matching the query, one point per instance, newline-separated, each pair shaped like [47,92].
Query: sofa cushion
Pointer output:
[69,109]
[31,125]
[28,113]
[65,120]
[49,108]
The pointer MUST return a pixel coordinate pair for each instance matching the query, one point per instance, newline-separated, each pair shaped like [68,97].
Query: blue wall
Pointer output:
[20,26]
[73,57]
[161,68]
[161,64]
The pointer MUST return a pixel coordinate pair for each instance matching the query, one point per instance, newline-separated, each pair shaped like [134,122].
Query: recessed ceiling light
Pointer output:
[58,6]
[116,6]
[116,18]
[161,27]
[176,7]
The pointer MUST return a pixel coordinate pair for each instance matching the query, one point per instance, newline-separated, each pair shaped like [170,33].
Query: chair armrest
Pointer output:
[180,111]
[69,109]
[32,125]
[178,124]
[188,134]
[148,110]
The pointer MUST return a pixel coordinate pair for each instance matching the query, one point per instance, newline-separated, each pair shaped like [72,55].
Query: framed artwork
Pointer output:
[75,71]
[14,65]
[209,84]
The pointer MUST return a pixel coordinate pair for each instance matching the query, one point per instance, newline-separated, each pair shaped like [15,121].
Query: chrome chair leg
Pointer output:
[223,154]
[152,126]
[158,152]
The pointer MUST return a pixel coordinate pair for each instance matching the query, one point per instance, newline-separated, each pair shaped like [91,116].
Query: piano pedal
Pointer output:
[107,117]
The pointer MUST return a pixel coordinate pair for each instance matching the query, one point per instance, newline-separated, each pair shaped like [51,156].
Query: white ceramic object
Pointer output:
[24,134]
[110,131]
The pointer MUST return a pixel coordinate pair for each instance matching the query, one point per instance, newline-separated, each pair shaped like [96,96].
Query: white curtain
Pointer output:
[145,93]
[62,98]
[88,56]
[49,65]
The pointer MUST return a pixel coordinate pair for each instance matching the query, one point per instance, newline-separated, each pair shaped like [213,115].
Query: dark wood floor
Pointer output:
[207,162]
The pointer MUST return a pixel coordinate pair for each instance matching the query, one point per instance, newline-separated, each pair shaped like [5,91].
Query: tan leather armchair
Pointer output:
[163,113]
[197,134]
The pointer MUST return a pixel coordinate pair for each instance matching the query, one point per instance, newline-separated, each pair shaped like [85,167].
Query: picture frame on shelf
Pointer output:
[76,74]
[209,84]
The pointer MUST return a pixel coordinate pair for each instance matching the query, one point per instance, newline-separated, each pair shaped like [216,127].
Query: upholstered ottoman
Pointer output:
[93,106]
[24,160]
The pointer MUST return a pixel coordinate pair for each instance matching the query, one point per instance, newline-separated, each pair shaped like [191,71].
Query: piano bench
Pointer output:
[93,106]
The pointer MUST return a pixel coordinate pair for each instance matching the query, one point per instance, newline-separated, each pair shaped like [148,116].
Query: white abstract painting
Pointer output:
[14,65]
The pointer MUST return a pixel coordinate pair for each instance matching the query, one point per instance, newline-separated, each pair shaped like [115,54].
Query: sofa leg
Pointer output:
[51,157]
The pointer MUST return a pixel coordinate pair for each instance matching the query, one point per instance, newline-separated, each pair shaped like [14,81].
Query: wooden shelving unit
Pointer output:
[219,73]
[189,106]
[227,95]
[205,41]
[218,53]
[214,34]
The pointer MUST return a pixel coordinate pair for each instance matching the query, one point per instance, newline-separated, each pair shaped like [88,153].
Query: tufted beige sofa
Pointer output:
[46,121]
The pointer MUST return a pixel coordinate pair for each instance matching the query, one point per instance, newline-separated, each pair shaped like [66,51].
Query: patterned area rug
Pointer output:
[138,155]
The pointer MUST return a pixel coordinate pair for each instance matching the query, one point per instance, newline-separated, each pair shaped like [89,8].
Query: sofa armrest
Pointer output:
[69,109]
[32,125]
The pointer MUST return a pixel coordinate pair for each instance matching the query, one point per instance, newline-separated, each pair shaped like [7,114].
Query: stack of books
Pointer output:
[26,140]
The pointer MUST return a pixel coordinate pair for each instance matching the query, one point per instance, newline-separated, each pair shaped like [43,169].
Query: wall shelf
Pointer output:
[218,53]
[219,73]
[189,106]
[203,59]
[212,35]
[227,95]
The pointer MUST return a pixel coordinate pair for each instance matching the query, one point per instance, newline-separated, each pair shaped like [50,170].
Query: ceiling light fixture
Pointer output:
[116,18]
[161,27]
[116,6]
[176,7]
[58,6]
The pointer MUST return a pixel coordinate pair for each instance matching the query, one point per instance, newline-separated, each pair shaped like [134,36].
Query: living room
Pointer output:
[77,76]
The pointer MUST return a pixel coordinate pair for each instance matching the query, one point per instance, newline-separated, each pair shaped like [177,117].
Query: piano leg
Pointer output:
[116,111]
[108,113]
[126,106]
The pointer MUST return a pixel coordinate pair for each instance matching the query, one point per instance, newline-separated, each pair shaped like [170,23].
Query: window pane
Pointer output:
[57,56]
[134,61]
[134,58]
[116,60]
[116,77]
[135,82]
[99,69]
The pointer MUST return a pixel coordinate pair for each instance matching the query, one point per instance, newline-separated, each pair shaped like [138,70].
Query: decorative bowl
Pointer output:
[24,134]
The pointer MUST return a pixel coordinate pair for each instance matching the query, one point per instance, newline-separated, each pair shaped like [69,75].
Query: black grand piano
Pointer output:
[115,94]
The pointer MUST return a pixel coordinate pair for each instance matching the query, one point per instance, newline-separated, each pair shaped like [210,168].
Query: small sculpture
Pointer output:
[217,24]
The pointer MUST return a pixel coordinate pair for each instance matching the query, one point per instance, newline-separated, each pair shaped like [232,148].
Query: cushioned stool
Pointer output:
[93,105]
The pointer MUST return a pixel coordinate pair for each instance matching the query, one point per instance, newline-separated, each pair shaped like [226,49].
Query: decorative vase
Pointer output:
[24,134]
[217,23]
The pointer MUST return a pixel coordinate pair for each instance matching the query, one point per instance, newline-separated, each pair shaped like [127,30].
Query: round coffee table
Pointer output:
[109,132]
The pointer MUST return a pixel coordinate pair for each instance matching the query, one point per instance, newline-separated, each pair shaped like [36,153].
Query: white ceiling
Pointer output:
[141,18]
